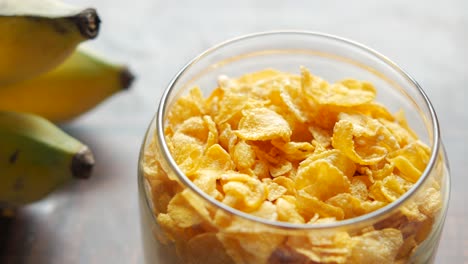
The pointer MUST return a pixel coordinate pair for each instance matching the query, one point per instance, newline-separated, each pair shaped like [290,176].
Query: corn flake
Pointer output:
[197,252]
[353,206]
[287,211]
[206,180]
[344,93]
[336,248]
[411,160]
[262,124]
[187,151]
[242,191]
[363,139]
[182,213]
[216,158]
[322,136]
[294,150]
[267,211]
[243,155]
[249,248]
[321,179]
[275,191]
[376,246]
[309,205]
[187,107]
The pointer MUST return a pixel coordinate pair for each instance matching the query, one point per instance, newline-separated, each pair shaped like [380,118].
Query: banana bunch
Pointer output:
[46,78]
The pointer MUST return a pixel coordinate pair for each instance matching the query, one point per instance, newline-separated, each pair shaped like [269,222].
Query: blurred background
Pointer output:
[97,221]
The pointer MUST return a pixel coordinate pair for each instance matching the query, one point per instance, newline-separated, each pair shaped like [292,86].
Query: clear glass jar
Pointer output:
[332,58]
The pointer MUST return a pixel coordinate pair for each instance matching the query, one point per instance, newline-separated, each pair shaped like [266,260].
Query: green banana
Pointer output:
[37,35]
[36,157]
[74,87]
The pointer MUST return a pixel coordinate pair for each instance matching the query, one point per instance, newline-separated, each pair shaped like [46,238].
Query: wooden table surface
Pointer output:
[97,221]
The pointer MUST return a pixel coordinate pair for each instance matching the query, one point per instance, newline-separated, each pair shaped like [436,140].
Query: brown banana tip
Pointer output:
[126,78]
[88,22]
[82,163]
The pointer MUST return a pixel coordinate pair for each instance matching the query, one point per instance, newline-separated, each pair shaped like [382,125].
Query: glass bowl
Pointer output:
[257,240]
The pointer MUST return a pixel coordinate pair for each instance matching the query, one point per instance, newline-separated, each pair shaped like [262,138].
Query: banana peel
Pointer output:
[78,85]
[38,35]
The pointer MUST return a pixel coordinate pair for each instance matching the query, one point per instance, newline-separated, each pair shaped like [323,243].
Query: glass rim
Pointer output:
[287,225]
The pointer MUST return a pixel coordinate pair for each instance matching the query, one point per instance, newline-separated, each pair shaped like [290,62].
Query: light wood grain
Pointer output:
[97,221]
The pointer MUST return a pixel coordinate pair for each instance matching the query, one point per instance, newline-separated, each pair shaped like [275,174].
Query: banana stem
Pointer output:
[82,164]
[126,78]
[88,22]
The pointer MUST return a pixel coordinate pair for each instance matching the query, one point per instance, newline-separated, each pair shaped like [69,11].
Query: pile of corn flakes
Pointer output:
[289,148]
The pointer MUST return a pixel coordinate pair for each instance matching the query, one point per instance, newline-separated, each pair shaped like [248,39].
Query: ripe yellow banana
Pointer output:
[76,86]
[37,35]
[36,157]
